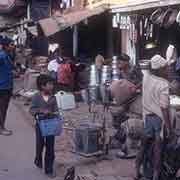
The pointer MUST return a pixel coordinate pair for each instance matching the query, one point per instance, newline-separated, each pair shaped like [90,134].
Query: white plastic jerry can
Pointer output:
[65,101]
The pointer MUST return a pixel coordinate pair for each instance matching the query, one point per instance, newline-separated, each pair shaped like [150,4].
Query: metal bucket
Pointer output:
[94,78]
[115,70]
[115,75]
[93,93]
[105,93]
[106,74]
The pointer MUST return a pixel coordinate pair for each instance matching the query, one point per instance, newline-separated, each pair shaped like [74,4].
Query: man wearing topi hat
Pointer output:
[155,111]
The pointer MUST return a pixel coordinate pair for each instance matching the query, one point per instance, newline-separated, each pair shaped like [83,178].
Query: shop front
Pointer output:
[147,27]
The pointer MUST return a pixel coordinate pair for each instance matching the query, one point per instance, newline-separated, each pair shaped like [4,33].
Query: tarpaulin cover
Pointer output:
[54,24]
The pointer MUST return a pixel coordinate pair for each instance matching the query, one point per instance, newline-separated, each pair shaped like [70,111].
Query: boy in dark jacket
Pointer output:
[44,103]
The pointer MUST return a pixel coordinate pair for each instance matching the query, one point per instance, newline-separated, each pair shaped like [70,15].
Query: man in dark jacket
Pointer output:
[131,73]
[6,83]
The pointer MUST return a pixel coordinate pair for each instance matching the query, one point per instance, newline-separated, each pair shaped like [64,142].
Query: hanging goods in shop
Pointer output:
[169,17]
[125,22]
[164,18]
[156,17]
[178,18]
[121,21]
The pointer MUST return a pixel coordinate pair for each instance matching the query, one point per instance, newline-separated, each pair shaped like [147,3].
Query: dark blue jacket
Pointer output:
[6,75]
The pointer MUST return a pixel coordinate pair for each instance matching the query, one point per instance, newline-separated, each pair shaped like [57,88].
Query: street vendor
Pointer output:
[155,112]
[131,73]
[129,83]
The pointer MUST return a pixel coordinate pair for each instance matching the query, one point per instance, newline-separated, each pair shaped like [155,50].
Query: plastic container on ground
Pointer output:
[65,101]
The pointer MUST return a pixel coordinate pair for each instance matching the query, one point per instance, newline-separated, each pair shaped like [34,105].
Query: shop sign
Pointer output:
[96,3]
[141,1]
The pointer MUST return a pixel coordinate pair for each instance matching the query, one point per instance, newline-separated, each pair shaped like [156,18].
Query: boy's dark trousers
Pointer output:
[48,142]
[5,96]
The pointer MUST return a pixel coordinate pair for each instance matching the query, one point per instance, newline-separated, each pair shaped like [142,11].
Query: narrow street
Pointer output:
[17,151]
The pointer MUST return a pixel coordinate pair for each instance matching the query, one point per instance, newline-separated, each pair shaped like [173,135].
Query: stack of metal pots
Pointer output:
[93,84]
[106,78]
[106,74]
[115,69]
[94,77]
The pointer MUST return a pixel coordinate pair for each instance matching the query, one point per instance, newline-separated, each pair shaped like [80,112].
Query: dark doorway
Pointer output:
[93,37]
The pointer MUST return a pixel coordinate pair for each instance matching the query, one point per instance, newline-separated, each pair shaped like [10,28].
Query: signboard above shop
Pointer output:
[130,5]
[95,3]
[135,5]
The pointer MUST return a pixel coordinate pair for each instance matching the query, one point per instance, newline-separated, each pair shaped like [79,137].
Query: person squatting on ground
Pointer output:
[155,112]
[44,102]
[6,82]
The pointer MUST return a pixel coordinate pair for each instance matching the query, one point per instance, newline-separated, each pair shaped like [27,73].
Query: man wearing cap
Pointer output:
[155,111]
[131,73]
[6,83]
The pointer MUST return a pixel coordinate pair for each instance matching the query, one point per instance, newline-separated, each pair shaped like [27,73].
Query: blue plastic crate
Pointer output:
[51,126]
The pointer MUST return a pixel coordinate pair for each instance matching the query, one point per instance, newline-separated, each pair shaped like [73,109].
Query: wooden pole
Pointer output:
[75,41]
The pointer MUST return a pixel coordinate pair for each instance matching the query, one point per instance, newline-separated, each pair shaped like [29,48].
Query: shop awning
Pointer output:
[135,5]
[54,24]
[7,6]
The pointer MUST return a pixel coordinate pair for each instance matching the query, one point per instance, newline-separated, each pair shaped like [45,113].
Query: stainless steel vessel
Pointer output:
[115,69]
[94,78]
[106,74]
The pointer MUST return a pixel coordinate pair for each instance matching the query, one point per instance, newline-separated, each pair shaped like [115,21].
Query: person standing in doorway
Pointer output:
[6,83]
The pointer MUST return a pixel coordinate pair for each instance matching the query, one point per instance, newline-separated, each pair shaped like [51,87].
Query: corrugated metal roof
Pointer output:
[55,24]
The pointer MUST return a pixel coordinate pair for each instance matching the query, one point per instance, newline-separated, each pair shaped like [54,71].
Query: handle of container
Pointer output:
[62,92]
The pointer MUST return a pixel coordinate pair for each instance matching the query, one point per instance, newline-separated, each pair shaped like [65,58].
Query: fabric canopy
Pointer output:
[54,24]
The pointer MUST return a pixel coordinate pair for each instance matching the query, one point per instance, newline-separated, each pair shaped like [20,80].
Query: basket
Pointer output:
[49,126]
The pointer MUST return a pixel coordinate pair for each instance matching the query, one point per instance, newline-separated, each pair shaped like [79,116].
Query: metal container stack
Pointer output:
[106,74]
[94,79]
[115,69]
[106,78]
[93,84]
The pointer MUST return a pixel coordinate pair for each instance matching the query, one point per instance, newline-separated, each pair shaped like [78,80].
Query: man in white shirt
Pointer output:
[54,63]
[155,111]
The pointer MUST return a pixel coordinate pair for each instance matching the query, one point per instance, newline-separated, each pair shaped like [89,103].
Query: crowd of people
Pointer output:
[65,72]
[64,75]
